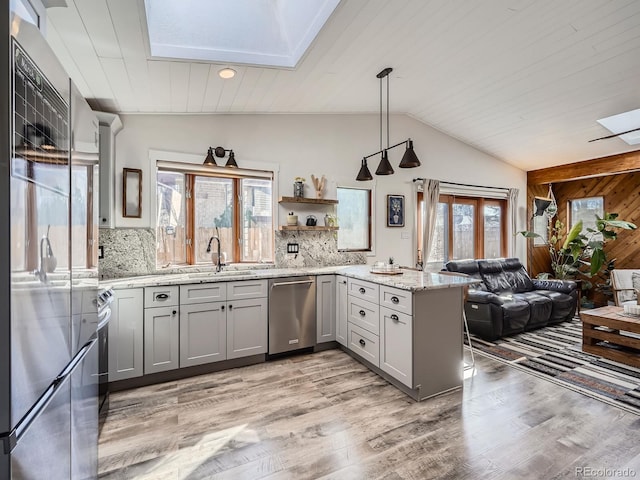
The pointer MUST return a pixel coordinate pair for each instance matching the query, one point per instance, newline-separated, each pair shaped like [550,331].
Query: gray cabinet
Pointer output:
[161,334]
[126,340]
[203,324]
[161,328]
[341,310]
[203,333]
[396,339]
[326,308]
[246,327]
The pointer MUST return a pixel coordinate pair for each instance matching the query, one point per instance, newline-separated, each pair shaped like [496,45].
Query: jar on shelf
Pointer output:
[298,189]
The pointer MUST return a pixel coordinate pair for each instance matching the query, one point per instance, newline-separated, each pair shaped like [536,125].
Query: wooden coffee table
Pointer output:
[620,332]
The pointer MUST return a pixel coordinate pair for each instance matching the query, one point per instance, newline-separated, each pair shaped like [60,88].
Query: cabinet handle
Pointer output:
[362,290]
[161,296]
[230,307]
[344,281]
[395,299]
[174,312]
[222,308]
[362,342]
[362,313]
[394,317]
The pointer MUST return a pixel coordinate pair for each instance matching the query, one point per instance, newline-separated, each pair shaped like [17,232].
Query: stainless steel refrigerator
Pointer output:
[48,273]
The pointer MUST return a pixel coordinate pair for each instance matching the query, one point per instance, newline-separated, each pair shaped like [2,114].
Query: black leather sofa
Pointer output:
[508,301]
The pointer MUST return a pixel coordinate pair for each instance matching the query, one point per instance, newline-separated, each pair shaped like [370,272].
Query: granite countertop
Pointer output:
[409,279]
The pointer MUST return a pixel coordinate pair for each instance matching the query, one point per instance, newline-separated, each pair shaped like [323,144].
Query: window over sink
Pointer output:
[195,203]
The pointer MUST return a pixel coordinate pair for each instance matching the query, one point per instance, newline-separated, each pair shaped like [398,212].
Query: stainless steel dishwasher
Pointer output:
[292,313]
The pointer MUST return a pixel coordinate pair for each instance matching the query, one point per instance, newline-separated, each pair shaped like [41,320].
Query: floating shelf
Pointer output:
[317,201]
[318,228]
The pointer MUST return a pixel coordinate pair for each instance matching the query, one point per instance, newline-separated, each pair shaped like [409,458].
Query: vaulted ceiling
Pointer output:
[523,80]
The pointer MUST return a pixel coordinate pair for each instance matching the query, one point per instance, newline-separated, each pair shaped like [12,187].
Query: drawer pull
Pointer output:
[161,296]
[395,299]
[362,290]
[362,342]
[362,313]
[174,312]
[222,308]
[394,317]
[230,307]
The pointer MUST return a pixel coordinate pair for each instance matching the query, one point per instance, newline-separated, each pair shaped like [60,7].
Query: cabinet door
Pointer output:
[326,308]
[396,352]
[203,333]
[246,327]
[126,335]
[161,339]
[341,310]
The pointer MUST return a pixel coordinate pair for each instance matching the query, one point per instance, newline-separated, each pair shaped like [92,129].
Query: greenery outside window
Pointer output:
[194,206]
[354,219]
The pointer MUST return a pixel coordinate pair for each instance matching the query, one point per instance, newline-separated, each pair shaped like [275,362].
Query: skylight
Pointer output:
[273,33]
[624,122]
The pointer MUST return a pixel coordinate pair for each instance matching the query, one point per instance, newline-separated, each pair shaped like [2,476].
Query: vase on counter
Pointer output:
[298,189]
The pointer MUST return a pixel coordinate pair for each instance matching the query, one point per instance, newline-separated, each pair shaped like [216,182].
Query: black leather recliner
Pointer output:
[508,301]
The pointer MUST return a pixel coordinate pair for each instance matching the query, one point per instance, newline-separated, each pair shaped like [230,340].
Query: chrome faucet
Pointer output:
[216,237]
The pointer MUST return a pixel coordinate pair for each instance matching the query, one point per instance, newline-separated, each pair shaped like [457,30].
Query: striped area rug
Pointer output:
[555,353]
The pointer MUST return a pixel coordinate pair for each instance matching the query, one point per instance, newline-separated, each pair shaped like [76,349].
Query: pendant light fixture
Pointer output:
[220,152]
[409,159]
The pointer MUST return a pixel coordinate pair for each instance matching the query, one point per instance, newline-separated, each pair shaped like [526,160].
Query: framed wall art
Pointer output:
[395,210]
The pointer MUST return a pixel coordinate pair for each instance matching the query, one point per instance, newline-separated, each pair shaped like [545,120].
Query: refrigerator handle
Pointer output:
[11,439]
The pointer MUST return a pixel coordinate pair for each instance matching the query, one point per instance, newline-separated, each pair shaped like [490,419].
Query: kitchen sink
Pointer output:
[224,273]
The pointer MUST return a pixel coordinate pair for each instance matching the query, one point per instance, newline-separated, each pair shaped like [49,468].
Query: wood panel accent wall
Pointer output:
[621,194]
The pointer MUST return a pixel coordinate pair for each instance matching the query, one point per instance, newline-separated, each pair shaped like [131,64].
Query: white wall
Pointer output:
[332,145]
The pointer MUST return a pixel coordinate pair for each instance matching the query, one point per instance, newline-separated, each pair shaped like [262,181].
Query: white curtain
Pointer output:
[431,189]
[512,207]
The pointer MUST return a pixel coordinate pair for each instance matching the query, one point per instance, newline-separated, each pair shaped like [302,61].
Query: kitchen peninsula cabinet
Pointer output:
[406,329]
[126,342]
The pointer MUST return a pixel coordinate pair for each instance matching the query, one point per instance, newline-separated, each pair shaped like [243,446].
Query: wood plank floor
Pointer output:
[324,415]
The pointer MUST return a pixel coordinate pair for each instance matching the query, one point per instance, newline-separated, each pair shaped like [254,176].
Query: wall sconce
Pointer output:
[220,152]
[409,159]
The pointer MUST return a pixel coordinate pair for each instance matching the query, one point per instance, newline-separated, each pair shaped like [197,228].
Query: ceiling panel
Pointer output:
[523,80]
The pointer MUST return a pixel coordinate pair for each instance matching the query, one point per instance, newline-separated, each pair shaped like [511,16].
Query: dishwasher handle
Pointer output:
[299,282]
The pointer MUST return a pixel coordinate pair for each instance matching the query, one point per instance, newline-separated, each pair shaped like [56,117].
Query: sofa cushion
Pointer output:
[540,308]
[504,275]
[563,306]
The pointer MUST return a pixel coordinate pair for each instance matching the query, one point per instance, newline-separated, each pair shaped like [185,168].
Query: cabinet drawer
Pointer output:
[246,289]
[365,344]
[361,289]
[161,296]
[364,314]
[203,293]
[396,299]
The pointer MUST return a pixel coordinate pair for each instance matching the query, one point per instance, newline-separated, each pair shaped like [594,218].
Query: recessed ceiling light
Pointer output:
[227,73]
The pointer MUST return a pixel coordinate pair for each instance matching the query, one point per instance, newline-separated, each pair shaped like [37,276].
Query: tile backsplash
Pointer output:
[316,249]
[130,252]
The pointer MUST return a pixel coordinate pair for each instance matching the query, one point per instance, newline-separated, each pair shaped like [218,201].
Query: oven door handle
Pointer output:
[103,318]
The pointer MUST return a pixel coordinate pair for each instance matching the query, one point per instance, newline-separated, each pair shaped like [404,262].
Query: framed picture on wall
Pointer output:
[395,210]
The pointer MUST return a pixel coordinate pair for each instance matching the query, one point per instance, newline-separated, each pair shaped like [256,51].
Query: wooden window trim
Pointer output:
[478,203]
